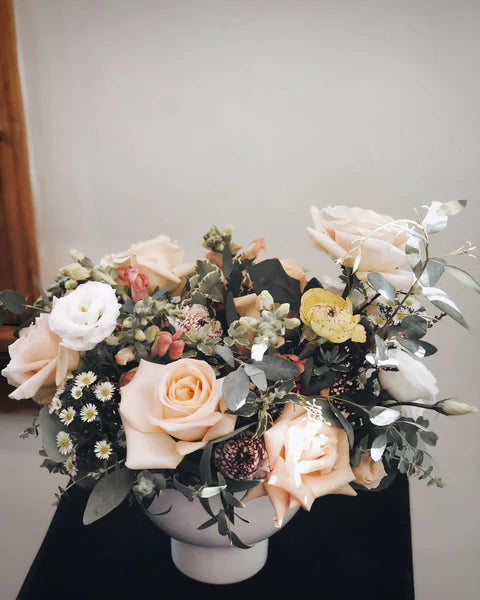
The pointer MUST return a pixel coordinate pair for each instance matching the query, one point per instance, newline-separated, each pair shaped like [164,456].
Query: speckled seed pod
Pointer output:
[241,456]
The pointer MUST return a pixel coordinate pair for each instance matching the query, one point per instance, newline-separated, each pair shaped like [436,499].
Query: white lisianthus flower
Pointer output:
[86,316]
[413,382]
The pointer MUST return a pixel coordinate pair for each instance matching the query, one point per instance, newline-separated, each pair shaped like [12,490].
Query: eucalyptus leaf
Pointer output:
[386,289]
[277,368]
[205,469]
[451,208]
[463,277]
[257,376]
[237,542]
[223,528]
[50,426]
[417,347]
[434,269]
[210,491]
[242,485]
[429,437]
[230,498]
[208,523]
[226,354]
[378,447]
[413,252]
[227,263]
[235,388]
[440,299]
[13,301]
[109,492]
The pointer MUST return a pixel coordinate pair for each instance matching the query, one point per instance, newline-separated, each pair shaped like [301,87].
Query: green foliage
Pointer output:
[109,492]
[269,275]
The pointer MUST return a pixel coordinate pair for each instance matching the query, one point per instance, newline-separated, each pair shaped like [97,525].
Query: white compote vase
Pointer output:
[205,555]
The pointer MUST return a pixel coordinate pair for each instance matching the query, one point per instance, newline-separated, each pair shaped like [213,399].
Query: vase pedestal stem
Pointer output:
[211,564]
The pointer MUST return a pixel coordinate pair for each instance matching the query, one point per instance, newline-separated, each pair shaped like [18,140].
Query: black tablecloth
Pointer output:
[345,548]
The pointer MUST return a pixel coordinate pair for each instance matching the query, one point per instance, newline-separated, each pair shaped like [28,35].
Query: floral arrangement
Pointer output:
[239,377]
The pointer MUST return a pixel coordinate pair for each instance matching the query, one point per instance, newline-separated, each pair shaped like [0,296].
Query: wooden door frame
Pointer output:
[18,240]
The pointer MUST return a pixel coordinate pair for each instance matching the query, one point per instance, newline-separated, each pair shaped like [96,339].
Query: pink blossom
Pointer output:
[254,249]
[127,377]
[136,281]
[165,343]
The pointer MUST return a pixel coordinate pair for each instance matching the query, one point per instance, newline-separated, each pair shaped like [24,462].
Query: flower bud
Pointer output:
[125,355]
[266,300]
[128,323]
[71,284]
[76,271]
[139,335]
[151,332]
[77,255]
[452,407]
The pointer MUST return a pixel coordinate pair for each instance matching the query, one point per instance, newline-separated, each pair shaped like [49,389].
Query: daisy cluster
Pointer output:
[89,435]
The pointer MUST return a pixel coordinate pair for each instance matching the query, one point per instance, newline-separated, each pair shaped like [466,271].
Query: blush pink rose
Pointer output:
[127,377]
[38,362]
[308,459]
[171,410]
[160,260]
[369,473]
[136,281]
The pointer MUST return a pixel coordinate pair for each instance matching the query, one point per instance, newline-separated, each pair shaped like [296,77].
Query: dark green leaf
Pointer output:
[271,276]
[231,313]
[463,277]
[277,368]
[417,347]
[13,301]
[345,423]
[208,523]
[187,491]
[205,468]
[109,492]
[440,299]
[429,437]
[222,522]
[451,208]
[382,286]
[241,485]
[237,542]
[230,498]
[236,386]
[227,263]
[413,327]
[378,447]
[161,292]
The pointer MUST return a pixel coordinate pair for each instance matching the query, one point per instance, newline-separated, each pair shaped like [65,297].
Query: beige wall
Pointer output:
[148,117]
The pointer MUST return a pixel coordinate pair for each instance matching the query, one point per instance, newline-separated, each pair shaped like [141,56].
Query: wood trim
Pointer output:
[18,245]
[17,222]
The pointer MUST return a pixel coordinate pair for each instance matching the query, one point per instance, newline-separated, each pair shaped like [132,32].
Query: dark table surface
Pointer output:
[345,548]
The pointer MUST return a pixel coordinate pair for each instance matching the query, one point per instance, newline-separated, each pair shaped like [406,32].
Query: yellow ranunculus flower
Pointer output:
[331,316]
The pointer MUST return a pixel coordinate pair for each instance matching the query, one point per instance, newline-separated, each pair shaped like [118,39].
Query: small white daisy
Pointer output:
[85,379]
[67,415]
[104,391]
[70,467]
[102,449]
[64,442]
[88,413]
[77,392]
[55,405]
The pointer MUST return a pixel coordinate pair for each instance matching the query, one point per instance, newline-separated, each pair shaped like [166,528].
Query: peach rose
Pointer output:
[171,410]
[369,473]
[338,228]
[160,260]
[308,459]
[38,362]
[136,281]
[254,249]
[294,270]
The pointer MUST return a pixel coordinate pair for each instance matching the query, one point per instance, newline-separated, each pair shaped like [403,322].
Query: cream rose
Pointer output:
[38,362]
[308,459]
[159,259]
[338,228]
[86,316]
[171,410]
[369,473]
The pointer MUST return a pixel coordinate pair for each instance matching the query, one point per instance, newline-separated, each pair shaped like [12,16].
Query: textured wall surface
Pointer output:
[148,117]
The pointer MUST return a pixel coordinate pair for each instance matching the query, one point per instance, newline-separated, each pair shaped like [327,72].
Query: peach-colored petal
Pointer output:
[152,450]
[42,377]
[280,500]
[324,242]
[248,306]
[189,447]
[255,492]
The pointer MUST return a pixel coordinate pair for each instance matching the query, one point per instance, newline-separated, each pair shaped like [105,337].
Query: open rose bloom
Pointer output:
[237,375]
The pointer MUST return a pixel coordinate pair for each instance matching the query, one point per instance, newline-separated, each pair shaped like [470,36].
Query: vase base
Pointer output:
[219,566]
